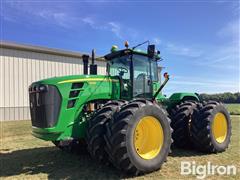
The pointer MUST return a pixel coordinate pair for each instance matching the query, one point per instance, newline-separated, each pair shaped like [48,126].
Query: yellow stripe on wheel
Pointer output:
[148,137]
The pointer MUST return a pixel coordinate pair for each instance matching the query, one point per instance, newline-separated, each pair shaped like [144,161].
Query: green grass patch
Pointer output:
[24,157]
[234,109]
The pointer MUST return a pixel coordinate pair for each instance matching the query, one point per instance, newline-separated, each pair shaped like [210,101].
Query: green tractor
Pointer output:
[122,117]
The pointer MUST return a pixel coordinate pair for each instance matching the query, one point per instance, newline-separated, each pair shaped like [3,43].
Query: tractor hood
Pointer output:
[75,78]
[56,103]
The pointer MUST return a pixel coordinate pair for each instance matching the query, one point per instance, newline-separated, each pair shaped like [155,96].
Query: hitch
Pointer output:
[166,76]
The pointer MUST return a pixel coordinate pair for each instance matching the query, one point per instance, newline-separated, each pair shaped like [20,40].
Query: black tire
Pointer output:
[202,128]
[181,119]
[77,146]
[96,130]
[120,137]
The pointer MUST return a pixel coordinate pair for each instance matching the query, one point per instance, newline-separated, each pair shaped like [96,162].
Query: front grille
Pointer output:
[45,102]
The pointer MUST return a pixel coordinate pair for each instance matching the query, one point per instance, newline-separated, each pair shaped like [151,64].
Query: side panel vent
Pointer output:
[77,85]
[74,94]
[71,103]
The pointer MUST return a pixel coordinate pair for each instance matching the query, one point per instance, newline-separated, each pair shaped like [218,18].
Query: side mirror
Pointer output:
[151,50]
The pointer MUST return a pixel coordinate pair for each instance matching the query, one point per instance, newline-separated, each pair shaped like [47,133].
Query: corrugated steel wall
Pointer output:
[18,68]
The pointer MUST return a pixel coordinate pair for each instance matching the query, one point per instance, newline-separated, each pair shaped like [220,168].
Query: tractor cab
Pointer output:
[136,70]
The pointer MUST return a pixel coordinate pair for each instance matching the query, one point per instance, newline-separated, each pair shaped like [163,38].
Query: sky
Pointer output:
[198,40]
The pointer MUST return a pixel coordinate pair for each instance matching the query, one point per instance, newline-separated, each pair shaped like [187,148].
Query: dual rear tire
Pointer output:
[211,128]
[181,121]
[207,127]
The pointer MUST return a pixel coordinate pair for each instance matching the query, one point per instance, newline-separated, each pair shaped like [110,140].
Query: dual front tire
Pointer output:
[96,129]
[137,138]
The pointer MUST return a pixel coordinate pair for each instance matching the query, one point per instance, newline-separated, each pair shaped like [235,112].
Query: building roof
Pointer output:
[40,49]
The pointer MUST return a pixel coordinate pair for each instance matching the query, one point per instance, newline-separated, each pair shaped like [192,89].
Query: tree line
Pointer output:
[226,97]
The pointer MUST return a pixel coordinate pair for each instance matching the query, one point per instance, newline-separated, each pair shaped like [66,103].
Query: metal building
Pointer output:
[22,64]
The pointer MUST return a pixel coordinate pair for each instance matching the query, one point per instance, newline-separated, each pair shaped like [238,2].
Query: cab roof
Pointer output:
[124,52]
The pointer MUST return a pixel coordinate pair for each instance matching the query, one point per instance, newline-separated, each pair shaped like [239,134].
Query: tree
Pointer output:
[226,97]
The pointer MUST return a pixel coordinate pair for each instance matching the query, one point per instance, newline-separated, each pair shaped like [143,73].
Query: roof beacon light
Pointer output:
[114,48]
[165,75]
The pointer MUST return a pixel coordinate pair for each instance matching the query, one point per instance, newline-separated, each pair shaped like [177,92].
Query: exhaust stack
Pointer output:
[85,64]
[93,67]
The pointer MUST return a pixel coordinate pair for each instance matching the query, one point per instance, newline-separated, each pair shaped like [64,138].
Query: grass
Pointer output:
[234,109]
[24,157]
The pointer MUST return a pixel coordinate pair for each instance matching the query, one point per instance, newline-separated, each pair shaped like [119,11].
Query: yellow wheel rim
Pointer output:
[148,137]
[219,127]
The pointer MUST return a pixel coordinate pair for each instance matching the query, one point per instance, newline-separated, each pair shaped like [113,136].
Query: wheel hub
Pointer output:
[219,127]
[148,137]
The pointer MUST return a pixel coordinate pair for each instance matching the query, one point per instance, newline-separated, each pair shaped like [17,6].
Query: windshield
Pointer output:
[120,67]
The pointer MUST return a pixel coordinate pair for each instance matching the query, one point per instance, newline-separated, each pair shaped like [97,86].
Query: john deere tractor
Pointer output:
[123,117]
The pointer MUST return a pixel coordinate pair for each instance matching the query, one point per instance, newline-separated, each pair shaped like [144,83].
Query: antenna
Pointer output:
[141,44]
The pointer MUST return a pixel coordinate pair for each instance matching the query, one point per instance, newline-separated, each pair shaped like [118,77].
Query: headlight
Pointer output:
[38,88]
[42,88]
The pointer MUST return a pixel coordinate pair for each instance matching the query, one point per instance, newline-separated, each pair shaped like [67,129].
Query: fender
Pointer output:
[183,96]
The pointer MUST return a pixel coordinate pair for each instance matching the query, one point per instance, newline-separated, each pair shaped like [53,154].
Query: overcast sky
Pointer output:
[198,40]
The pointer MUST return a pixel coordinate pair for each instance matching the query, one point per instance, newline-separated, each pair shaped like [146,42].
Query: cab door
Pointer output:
[142,84]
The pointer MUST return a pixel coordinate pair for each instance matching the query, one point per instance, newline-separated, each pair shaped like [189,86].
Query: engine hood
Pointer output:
[76,78]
